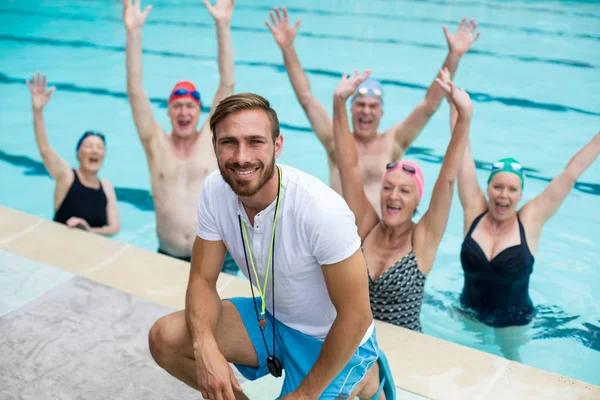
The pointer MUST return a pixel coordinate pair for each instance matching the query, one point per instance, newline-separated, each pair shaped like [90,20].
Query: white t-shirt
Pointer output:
[315,227]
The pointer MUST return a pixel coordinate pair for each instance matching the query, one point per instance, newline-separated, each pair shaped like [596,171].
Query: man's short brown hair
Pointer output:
[240,102]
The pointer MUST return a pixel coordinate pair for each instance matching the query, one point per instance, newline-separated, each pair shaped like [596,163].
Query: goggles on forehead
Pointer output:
[182,92]
[363,91]
[499,165]
[405,167]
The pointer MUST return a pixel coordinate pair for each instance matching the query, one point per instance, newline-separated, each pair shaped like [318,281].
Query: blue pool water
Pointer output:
[534,76]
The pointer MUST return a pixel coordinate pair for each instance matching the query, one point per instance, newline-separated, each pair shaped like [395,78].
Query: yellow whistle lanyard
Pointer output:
[262,291]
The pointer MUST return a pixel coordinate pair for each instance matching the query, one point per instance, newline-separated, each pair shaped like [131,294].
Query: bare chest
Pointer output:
[183,172]
[372,160]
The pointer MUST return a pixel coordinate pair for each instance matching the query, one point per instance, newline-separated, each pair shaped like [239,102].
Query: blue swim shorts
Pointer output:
[298,353]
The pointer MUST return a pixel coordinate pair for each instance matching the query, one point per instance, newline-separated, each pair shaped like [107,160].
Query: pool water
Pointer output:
[534,76]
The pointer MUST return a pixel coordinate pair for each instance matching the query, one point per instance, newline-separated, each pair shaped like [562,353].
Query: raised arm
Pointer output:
[407,131]
[221,12]
[141,108]
[320,121]
[351,323]
[431,227]
[55,165]
[546,204]
[347,157]
[470,194]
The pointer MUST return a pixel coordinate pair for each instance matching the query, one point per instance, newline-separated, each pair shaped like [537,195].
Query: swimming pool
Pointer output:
[534,77]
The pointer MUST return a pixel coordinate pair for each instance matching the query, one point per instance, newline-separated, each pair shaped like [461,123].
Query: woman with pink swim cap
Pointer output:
[399,253]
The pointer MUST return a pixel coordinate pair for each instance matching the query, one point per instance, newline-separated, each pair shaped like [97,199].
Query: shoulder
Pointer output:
[106,184]
[527,215]
[108,187]
[313,200]
[309,189]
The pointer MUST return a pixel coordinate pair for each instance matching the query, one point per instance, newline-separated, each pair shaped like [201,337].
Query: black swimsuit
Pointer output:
[83,202]
[496,292]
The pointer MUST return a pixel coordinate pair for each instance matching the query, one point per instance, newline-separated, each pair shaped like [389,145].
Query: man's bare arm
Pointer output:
[406,132]
[202,302]
[320,121]
[348,289]
[141,108]
[221,13]
[202,309]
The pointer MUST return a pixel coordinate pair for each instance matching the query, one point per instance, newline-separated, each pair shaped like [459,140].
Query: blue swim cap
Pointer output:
[369,88]
[90,133]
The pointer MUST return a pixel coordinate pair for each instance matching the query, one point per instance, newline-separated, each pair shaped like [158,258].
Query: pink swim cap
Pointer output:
[411,168]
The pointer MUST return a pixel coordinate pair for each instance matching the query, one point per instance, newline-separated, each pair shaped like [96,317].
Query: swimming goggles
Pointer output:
[405,167]
[90,133]
[363,91]
[182,92]
[500,165]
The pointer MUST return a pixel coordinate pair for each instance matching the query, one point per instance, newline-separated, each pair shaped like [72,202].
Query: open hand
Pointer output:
[463,38]
[282,31]
[215,377]
[133,16]
[459,97]
[221,11]
[39,95]
[80,223]
[348,85]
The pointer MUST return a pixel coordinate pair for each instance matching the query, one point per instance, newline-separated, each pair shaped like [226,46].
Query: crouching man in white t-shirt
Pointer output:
[296,240]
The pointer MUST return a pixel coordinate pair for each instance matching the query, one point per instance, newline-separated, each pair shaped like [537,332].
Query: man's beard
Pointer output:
[244,188]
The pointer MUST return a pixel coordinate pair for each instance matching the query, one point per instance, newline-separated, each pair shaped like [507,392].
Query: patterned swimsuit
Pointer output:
[397,295]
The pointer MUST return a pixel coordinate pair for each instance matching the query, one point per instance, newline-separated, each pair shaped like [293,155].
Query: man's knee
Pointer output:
[156,341]
[170,338]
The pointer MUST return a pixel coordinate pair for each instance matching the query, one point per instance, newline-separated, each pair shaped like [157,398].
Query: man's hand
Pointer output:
[221,11]
[282,31]
[458,97]
[348,85]
[80,223]
[215,377]
[39,95]
[463,39]
[133,17]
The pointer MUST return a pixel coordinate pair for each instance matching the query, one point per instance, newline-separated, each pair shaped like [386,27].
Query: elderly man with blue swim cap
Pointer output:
[374,151]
